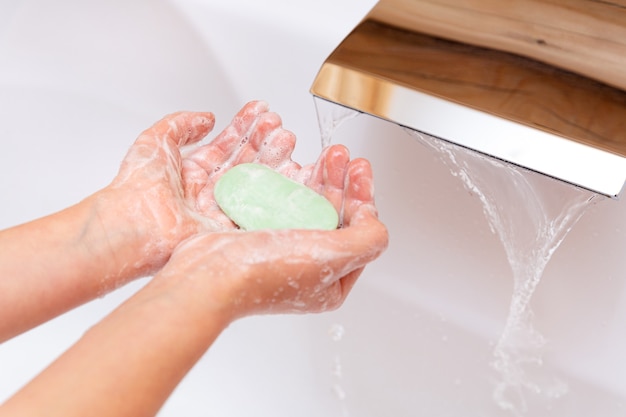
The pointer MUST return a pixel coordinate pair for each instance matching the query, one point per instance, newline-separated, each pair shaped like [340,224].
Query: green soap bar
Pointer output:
[256,197]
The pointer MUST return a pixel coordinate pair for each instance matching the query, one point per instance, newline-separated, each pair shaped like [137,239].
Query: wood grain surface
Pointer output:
[584,36]
[500,83]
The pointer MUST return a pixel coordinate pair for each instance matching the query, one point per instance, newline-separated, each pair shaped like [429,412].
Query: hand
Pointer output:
[283,271]
[128,363]
[162,195]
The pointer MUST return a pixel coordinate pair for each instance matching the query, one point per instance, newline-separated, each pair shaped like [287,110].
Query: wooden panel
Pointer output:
[499,83]
[584,36]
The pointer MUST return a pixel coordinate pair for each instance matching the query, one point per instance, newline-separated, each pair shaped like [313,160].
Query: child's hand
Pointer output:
[162,195]
[237,274]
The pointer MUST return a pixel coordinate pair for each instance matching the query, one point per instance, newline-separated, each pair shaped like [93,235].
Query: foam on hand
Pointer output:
[256,197]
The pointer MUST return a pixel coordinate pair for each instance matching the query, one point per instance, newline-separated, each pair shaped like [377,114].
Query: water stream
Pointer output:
[531,214]
[330,116]
[336,333]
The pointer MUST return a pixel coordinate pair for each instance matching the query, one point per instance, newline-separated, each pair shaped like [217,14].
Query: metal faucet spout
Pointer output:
[497,89]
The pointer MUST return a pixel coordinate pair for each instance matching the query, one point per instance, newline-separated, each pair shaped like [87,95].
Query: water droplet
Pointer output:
[336,332]
[339,391]
[337,369]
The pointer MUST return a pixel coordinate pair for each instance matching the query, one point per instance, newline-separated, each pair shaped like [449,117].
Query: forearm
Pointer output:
[128,364]
[55,263]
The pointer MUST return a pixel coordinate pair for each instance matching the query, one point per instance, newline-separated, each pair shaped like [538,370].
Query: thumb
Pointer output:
[179,129]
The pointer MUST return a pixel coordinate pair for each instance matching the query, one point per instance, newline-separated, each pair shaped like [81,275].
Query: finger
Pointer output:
[332,297]
[179,129]
[315,177]
[159,144]
[332,161]
[220,150]
[347,282]
[259,137]
[278,149]
[194,180]
[236,133]
[290,169]
[328,174]
[339,253]
[361,242]
[303,174]
[334,175]
[359,188]
[363,237]
[339,290]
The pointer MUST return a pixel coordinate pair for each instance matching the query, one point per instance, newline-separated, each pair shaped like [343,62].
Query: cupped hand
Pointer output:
[163,192]
[284,271]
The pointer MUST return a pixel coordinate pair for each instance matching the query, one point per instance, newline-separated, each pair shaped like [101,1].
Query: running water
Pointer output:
[336,333]
[531,214]
[330,116]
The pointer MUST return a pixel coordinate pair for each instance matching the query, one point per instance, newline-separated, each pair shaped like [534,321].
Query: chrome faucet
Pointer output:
[494,79]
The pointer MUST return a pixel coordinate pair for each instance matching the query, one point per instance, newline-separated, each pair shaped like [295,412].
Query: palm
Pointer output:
[248,139]
[171,185]
[293,270]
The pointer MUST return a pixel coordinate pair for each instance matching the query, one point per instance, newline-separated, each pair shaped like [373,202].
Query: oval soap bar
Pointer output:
[256,197]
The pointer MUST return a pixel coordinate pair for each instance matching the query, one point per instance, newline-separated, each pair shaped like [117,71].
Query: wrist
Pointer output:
[206,285]
[119,241]
[56,263]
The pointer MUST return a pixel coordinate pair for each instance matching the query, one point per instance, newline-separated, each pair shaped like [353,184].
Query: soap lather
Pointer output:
[255,197]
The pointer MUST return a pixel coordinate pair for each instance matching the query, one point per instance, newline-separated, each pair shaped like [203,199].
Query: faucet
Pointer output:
[539,85]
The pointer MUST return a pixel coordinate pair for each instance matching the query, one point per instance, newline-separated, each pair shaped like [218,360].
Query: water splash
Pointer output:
[330,116]
[336,333]
[531,214]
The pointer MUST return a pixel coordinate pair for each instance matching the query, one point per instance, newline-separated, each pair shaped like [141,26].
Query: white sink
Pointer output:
[79,80]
